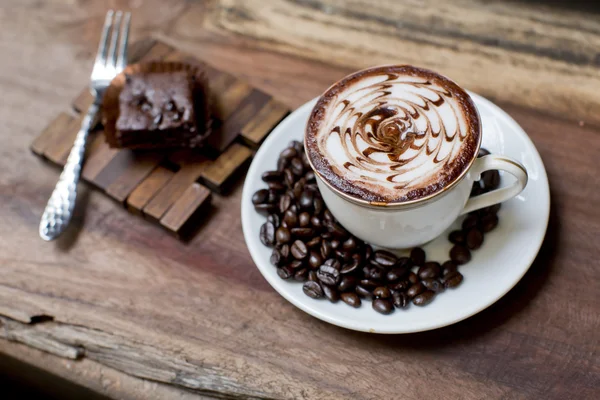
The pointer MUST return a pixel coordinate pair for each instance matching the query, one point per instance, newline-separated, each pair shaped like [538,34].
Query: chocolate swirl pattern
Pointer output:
[393,134]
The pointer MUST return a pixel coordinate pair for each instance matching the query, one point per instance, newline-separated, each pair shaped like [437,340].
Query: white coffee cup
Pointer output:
[415,222]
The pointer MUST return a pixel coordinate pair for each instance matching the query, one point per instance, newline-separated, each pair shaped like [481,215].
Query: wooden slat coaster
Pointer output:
[170,187]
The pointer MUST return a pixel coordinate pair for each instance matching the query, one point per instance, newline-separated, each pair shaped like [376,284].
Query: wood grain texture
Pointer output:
[198,317]
[148,188]
[219,172]
[188,210]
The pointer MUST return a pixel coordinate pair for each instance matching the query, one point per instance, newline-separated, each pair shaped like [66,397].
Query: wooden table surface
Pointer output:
[124,309]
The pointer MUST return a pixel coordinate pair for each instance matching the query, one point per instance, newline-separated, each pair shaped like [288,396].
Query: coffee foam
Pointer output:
[393,134]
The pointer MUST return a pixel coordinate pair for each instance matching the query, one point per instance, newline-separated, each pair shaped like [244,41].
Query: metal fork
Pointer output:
[110,60]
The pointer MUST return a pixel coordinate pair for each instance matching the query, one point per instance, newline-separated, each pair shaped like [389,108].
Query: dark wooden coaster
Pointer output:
[171,188]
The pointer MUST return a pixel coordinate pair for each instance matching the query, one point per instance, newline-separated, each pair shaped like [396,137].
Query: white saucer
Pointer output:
[495,268]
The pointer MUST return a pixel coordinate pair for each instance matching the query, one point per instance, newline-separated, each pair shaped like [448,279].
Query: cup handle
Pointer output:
[487,163]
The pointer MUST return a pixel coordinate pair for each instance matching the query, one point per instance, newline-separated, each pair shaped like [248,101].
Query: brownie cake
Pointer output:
[157,110]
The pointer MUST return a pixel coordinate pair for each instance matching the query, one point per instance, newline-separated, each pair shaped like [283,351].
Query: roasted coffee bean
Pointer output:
[382,292]
[290,218]
[400,300]
[274,219]
[400,286]
[404,262]
[312,186]
[318,205]
[285,251]
[470,222]
[260,196]
[363,292]
[312,276]
[332,262]
[453,279]
[433,284]
[351,299]
[296,264]
[358,257]
[298,189]
[460,254]
[418,256]
[331,293]
[267,234]
[369,283]
[282,235]
[266,208]
[310,176]
[312,289]
[338,231]
[489,222]
[297,145]
[297,167]
[326,249]
[350,267]
[482,152]
[491,179]
[476,190]
[493,209]
[383,306]
[424,298]
[284,203]
[372,272]
[415,290]
[368,252]
[316,222]
[448,266]
[306,199]
[299,250]
[276,186]
[328,216]
[276,258]
[395,273]
[285,272]
[301,274]
[412,278]
[303,233]
[474,239]
[273,197]
[282,164]
[385,258]
[347,282]
[345,256]
[457,237]
[288,178]
[304,219]
[305,160]
[272,176]
[350,244]
[430,269]
[314,242]
[335,244]
[315,260]
[328,275]
[288,153]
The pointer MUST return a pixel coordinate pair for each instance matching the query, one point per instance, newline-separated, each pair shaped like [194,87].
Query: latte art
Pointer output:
[393,134]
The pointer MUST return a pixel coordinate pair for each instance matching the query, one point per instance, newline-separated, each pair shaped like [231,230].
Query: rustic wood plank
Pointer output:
[59,149]
[148,188]
[98,160]
[187,210]
[135,169]
[257,129]
[51,133]
[217,174]
[83,101]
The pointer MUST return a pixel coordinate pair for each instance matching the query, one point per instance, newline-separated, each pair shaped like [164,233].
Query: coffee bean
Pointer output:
[412,278]
[315,222]
[301,274]
[290,218]
[460,254]
[315,260]
[260,196]
[328,216]
[297,167]
[457,237]
[363,292]
[474,239]
[312,276]
[298,189]
[266,208]
[274,219]
[303,233]
[284,203]
[489,222]
[312,289]
[282,235]
[288,178]
[429,270]
[314,242]
[272,176]
[331,293]
[375,273]
[282,164]
[351,299]
[288,153]
[400,300]
[338,231]
[325,249]
[448,266]
[297,145]
[306,199]
[276,258]
[285,272]
[350,244]
[415,289]
[493,209]
[350,267]
[304,219]
[400,286]
[332,262]
[347,282]
[296,264]
[273,197]
[452,280]
[369,283]
[299,250]
[470,222]
[310,176]
[433,284]
[418,256]
[404,262]
[328,275]
[491,179]
[276,186]
[285,251]
[383,306]
[318,205]
[476,190]
[305,160]
[385,258]
[424,298]
[267,234]
[382,292]
[358,257]
[395,273]
[335,244]
[368,252]
[482,152]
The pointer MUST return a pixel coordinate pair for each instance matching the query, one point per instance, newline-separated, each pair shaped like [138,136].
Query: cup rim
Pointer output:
[383,205]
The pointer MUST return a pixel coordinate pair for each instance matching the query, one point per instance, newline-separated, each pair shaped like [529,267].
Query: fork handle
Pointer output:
[59,209]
